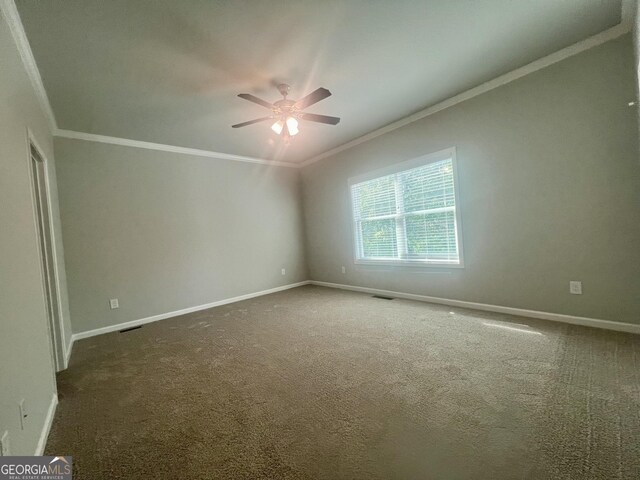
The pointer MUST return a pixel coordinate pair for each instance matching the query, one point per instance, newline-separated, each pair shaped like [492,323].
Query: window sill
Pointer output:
[409,263]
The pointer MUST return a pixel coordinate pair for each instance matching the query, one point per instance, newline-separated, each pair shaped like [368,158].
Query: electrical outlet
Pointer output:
[575,287]
[113,303]
[283,271]
[344,269]
[5,451]
[23,414]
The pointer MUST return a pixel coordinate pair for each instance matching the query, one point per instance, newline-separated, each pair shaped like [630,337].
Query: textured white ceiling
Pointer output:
[168,71]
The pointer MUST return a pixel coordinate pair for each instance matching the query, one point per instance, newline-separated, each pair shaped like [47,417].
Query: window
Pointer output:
[408,214]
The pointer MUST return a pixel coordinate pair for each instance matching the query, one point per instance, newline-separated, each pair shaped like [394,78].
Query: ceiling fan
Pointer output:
[286,113]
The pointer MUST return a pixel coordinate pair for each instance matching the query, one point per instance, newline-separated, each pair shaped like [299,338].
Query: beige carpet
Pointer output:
[315,383]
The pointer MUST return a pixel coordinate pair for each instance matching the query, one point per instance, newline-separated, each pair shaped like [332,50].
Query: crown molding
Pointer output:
[586,44]
[125,142]
[11,15]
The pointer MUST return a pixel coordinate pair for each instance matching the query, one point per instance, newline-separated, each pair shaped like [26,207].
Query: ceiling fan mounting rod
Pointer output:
[283,88]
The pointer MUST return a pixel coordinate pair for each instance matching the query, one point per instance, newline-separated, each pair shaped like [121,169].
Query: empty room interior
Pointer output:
[355,239]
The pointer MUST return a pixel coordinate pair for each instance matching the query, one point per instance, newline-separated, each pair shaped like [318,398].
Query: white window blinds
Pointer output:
[408,216]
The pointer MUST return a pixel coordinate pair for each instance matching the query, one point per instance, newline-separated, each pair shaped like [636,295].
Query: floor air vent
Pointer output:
[382,297]
[129,329]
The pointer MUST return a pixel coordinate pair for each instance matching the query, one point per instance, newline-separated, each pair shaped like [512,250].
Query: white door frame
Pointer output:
[54,316]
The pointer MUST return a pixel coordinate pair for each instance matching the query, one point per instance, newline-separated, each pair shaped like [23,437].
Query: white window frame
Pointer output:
[449,153]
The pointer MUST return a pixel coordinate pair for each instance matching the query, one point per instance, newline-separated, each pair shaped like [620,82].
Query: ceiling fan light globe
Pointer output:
[277,127]
[292,125]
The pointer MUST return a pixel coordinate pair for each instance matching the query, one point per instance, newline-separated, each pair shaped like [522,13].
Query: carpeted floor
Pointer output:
[315,383]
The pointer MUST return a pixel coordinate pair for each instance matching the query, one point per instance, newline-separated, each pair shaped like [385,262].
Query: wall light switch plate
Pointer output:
[284,272]
[5,451]
[575,287]
[344,269]
[113,303]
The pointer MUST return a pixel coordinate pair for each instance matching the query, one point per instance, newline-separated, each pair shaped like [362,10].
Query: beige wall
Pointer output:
[549,186]
[163,231]
[26,365]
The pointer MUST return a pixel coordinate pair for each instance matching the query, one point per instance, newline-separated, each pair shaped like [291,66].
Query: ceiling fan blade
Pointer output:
[254,99]
[250,122]
[312,117]
[313,97]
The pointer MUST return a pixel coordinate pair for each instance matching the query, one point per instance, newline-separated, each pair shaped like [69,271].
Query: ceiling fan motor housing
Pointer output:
[284,107]
[283,88]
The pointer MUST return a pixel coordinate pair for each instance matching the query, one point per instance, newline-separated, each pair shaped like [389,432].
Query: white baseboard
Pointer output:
[67,354]
[46,428]
[162,316]
[555,317]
